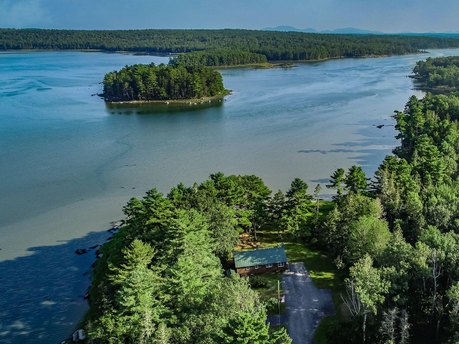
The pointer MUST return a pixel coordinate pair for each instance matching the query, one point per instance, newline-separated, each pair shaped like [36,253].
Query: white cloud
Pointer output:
[22,13]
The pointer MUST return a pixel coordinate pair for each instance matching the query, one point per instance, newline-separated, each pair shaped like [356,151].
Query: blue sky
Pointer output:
[387,15]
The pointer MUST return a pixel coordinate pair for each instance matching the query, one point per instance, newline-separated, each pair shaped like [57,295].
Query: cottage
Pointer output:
[261,261]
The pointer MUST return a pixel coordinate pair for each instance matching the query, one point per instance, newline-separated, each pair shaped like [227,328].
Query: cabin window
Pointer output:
[281,265]
[256,266]
[247,269]
[269,265]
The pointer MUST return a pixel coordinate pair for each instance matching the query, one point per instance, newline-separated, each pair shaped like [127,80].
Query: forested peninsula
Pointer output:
[438,74]
[388,248]
[177,82]
[398,237]
[222,57]
[161,278]
[251,45]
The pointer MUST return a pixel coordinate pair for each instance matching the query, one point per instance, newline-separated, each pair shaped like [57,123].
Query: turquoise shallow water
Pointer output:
[68,163]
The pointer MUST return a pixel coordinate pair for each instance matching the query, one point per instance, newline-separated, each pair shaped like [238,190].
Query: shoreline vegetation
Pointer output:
[191,101]
[268,64]
[400,290]
[263,65]
[223,47]
[188,79]
[438,75]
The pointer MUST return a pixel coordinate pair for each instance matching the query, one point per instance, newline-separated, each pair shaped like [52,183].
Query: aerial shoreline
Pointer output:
[270,64]
[154,130]
[196,101]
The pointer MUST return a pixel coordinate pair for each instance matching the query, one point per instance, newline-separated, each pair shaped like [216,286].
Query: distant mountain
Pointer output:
[286,28]
[346,30]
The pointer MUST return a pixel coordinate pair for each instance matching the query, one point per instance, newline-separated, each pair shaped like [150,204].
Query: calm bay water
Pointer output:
[68,163]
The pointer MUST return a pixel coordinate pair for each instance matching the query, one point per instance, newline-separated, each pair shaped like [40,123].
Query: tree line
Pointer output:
[215,58]
[273,45]
[441,73]
[163,82]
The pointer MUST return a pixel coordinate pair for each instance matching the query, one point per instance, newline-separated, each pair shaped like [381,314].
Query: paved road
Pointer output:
[305,304]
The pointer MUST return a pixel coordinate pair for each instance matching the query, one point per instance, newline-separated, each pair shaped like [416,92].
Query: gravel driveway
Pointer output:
[305,304]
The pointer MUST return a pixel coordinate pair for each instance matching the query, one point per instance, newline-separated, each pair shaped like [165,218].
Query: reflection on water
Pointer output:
[156,108]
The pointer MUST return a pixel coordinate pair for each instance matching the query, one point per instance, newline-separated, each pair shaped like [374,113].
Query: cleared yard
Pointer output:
[321,270]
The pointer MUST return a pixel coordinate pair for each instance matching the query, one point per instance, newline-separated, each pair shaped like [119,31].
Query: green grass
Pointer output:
[322,330]
[270,290]
[320,267]
[268,293]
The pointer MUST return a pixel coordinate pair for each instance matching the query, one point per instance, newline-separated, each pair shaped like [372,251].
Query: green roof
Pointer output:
[260,257]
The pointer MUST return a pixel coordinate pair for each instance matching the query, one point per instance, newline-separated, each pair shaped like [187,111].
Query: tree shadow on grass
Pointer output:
[42,295]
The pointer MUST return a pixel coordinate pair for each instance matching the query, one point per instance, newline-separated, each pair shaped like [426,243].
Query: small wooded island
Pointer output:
[175,82]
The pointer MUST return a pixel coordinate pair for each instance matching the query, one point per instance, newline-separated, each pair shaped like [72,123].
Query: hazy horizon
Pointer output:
[392,16]
[281,28]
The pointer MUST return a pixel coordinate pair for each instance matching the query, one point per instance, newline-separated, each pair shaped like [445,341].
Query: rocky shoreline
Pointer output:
[190,102]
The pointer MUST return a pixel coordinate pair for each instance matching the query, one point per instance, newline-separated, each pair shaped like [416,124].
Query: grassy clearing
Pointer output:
[322,330]
[321,268]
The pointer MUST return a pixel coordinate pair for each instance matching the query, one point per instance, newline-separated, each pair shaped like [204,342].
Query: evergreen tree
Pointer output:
[356,181]
[337,181]
[247,328]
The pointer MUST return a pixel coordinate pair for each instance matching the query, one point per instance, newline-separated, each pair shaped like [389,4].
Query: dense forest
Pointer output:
[273,45]
[398,237]
[163,82]
[440,74]
[222,57]
[161,279]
